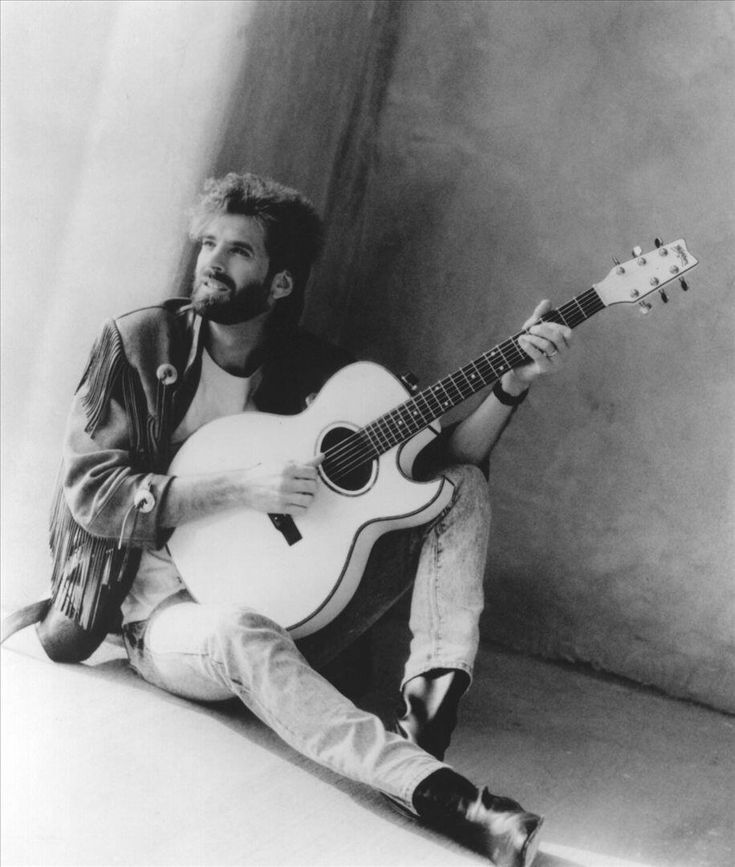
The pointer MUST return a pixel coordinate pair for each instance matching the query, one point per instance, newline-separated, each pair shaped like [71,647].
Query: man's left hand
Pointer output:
[546,343]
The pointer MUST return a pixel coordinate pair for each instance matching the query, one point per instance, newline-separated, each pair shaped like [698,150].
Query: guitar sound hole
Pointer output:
[338,469]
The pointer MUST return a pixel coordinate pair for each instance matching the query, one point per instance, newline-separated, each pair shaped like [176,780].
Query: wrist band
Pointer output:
[508,399]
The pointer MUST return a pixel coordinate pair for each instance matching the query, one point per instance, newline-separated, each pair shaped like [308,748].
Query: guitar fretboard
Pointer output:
[416,413]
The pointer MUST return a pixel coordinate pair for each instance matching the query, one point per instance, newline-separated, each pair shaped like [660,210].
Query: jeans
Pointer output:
[210,653]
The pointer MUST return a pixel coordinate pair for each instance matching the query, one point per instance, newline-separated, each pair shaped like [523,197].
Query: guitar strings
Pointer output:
[391,428]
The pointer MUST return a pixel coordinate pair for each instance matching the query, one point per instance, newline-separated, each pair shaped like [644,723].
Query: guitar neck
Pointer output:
[412,416]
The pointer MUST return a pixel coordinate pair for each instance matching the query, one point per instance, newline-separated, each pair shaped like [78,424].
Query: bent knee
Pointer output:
[471,487]
[245,629]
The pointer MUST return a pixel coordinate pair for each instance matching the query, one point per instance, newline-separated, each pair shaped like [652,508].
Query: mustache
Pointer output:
[219,277]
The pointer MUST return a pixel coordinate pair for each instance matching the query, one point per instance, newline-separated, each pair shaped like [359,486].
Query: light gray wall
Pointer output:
[471,158]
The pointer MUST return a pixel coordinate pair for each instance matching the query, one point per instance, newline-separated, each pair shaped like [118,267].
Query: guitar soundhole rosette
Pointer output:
[345,470]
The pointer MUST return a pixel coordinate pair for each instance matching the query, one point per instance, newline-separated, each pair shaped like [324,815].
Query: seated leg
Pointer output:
[445,610]
[210,653]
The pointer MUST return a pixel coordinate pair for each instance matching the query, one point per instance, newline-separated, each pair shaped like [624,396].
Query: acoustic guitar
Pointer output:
[302,572]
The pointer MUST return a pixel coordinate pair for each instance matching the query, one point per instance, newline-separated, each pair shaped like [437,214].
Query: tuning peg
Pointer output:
[618,267]
[658,242]
[684,284]
[645,307]
[664,296]
[638,253]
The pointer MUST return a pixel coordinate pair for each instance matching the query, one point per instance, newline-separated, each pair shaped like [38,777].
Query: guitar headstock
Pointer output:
[630,282]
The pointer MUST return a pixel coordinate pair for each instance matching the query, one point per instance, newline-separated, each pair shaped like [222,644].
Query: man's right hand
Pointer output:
[286,488]
[283,488]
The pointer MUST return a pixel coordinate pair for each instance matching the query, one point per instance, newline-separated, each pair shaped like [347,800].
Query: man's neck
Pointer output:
[236,348]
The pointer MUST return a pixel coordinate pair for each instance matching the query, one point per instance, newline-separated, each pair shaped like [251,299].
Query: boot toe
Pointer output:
[512,836]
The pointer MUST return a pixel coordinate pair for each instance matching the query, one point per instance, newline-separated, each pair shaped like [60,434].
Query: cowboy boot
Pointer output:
[496,827]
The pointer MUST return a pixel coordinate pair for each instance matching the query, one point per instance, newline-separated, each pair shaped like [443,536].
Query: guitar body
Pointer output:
[303,576]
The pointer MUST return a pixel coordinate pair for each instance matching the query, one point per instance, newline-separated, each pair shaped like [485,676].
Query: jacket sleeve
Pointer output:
[107,488]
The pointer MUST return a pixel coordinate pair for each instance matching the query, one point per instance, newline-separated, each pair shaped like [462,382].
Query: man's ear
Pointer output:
[281,285]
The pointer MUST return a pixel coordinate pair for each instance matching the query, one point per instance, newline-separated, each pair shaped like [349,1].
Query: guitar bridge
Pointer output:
[286,525]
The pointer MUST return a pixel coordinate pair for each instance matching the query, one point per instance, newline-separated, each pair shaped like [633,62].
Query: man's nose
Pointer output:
[216,259]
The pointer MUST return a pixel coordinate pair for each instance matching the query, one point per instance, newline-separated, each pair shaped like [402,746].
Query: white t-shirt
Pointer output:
[219,393]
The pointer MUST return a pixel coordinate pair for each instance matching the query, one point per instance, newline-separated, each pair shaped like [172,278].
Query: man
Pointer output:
[154,377]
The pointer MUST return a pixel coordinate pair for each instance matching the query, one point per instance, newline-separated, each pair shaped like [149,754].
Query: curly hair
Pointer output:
[293,229]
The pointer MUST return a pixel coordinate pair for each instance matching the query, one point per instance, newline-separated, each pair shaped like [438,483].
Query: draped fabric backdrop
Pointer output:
[470,158]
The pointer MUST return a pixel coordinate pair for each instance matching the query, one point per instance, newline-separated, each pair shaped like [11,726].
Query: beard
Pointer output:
[228,305]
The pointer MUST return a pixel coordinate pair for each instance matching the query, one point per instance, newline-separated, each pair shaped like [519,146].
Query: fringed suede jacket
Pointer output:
[141,377]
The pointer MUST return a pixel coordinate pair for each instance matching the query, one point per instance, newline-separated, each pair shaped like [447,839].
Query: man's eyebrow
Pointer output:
[236,243]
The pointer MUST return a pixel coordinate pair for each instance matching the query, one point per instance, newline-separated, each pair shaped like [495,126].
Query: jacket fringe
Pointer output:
[91,575]
[104,368]
[79,559]
[108,372]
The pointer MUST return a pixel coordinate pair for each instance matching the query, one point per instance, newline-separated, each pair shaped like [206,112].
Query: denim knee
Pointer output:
[471,488]
[247,626]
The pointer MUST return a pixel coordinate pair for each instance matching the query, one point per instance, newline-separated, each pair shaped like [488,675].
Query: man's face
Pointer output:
[232,281]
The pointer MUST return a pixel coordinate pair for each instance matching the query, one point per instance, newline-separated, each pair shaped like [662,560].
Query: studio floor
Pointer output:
[98,768]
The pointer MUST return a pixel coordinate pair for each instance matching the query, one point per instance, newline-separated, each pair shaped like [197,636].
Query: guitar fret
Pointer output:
[408,420]
[375,434]
[415,412]
[520,355]
[467,385]
[487,372]
[396,420]
[392,428]
[563,318]
[502,367]
[381,423]
[405,414]
[448,401]
[381,434]
[475,374]
[413,424]
[375,446]
[432,395]
[428,413]
[363,445]
[464,389]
